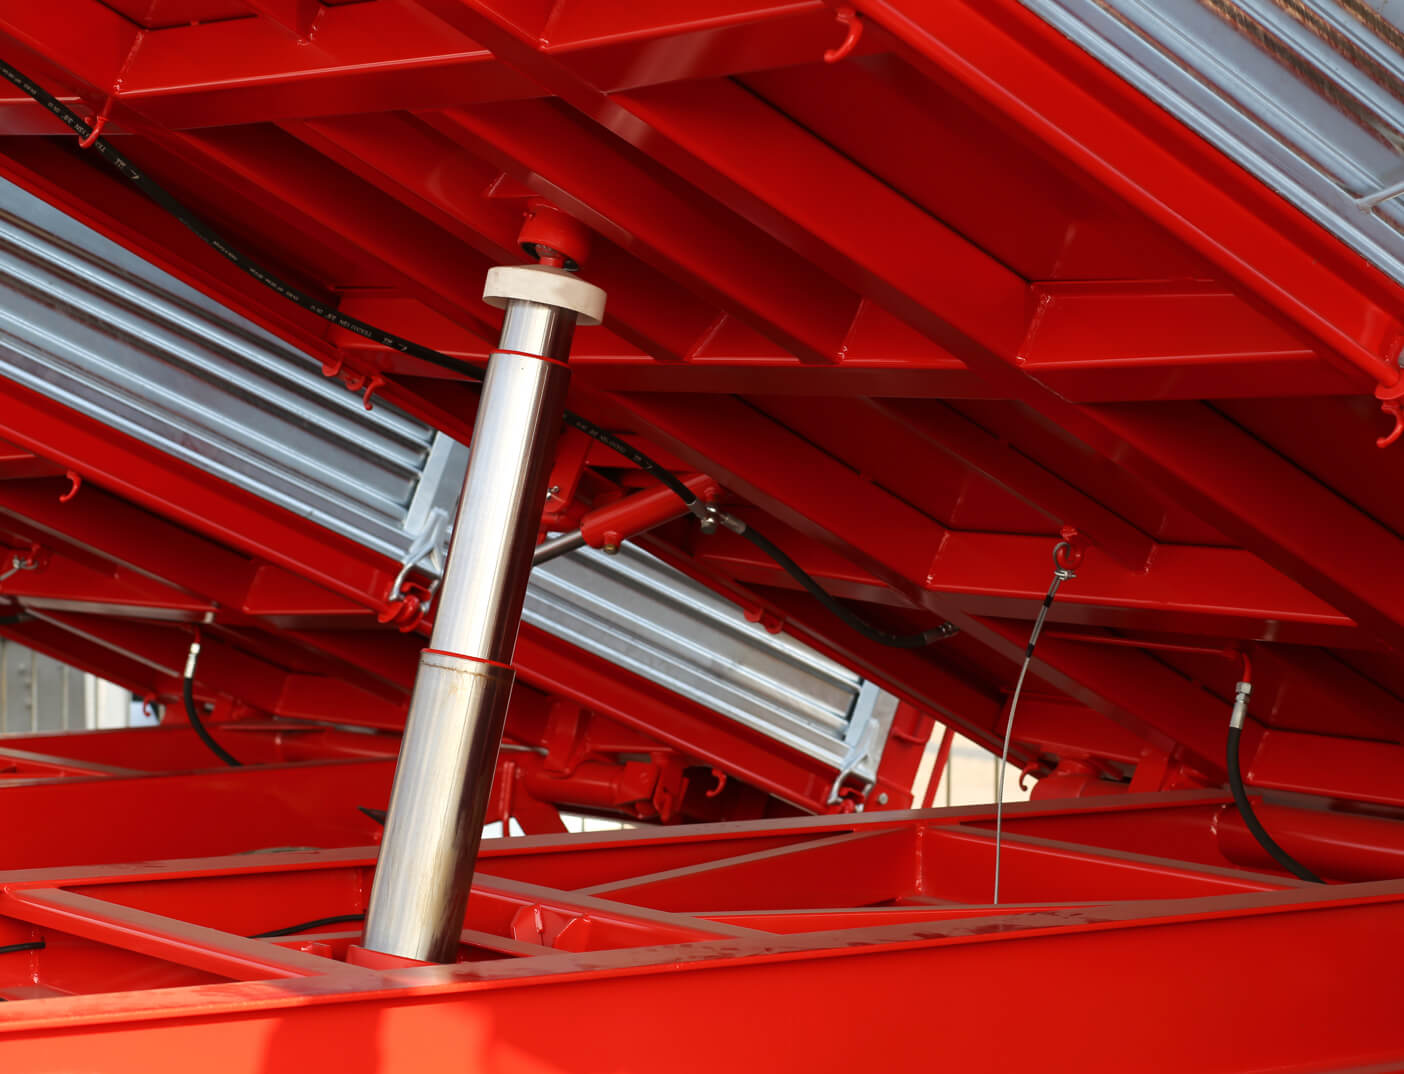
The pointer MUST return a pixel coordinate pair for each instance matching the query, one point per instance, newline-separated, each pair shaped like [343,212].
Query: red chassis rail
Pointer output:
[747,928]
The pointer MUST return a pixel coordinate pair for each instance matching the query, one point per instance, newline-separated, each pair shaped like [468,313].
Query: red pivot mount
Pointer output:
[553,237]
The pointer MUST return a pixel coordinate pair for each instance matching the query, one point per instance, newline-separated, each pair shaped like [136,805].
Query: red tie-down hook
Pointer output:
[846,16]
[1069,553]
[75,482]
[96,126]
[1392,403]
[1028,770]
[407,610]
[356,381]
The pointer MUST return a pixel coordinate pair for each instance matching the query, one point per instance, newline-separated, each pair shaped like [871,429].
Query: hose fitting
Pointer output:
[1242,693]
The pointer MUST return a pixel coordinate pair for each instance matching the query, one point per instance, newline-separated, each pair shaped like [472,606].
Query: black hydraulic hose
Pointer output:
[1245,810]
[172,205]
[162,197]
[650,466]
[861,625]
[192,713]
[308,926]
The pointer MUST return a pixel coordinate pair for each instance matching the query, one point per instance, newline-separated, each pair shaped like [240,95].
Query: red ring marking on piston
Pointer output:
[474,659]
[538,357]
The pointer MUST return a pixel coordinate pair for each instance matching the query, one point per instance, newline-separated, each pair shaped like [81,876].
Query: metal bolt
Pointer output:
[882,798]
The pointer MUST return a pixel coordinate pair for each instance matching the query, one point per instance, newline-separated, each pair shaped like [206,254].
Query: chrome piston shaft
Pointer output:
[454,728]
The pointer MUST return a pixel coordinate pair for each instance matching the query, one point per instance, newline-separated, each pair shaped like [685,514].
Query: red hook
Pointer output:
[76,482]
[375,381]
[96,127]
[1024,772]
[721,783]
[1070,551]
[1395,408]
[846,16]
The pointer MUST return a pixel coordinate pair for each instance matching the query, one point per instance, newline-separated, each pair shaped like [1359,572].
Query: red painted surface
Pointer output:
[910,313]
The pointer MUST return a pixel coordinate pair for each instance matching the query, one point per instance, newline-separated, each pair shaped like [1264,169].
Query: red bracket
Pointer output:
[772,622]
[553,237]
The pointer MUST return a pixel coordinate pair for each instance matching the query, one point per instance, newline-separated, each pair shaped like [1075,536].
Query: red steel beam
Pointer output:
[933,426]
[822,499]
[677,129]
[305,59]
[295,16]
[397,155]
[82,653]
[220,811]
[154,480]
[699,142]
[1256,497]
[852,354]
[795,305]
[62,584]
[285,181]
[1190,590]
[307,550]
[598,967]
[1327,765]
[1038,82]
[1101,342]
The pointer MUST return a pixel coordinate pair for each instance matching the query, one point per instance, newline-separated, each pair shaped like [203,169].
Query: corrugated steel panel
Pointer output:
[88,324]
[1308,95]
[641,614]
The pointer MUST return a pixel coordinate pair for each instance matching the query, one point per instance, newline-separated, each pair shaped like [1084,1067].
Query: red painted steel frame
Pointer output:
[630,942]
[913,313]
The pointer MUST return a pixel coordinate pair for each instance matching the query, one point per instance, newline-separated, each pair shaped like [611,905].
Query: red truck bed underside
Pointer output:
[918,312]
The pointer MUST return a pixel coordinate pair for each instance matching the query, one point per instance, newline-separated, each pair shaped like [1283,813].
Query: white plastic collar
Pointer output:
[548,286]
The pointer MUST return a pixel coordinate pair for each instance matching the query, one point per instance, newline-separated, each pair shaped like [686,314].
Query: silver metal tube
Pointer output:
[454,727]
[558,545]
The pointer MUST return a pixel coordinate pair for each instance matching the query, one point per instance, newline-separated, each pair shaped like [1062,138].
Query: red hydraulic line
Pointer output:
[608,526]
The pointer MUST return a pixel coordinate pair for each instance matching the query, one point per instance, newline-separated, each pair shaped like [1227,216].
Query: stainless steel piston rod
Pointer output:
[456,714]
